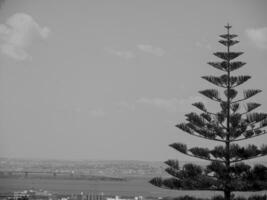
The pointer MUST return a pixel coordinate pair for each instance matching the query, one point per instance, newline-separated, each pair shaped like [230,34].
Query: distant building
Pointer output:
[118,198]
[33,194]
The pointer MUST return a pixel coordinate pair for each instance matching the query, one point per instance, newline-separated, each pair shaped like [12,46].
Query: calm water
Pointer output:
[131,187]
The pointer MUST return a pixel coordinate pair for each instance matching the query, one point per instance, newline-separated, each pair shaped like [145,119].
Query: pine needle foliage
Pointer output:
[235,122]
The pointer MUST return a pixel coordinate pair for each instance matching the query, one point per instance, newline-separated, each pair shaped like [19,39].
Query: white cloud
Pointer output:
[18,33]
[123,105]
[97,112]
[124,54]
[258,37]
[157,51]
[172,104]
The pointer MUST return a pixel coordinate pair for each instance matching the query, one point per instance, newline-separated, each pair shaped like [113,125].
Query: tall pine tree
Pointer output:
[236,121]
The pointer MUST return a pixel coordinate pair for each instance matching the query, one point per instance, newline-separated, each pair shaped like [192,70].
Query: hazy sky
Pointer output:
[110,79]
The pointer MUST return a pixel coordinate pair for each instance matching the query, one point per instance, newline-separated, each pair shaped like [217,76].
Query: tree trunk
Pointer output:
[227,191]
[227,194]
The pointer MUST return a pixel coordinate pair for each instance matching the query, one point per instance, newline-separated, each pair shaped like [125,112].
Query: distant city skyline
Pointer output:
[109,80]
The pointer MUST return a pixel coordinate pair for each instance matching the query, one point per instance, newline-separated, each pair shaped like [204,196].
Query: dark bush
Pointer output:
[258,197]
[219,197]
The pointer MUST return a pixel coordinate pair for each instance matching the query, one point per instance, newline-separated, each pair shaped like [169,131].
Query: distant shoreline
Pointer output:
[131,187]
[91,168]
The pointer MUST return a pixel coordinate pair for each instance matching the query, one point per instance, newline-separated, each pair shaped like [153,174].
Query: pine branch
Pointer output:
[228,43]
[204,133]
[223,66]
[236,65]
[246,153]
[189,170]
[184,127]
[222,81]
[203,123]
[181,126]
[171,183]
[195,119]
[218,81]
[213,94]
[257,130]
[235,107]
[207,117]
[218,117]
[218,168]
[264,150]
[157,181]
[250,106]
[214,114]
[182,148]
[242,159]
[248,94]
[228,36]
[240,169]
[228,56]
[200,106]
[200,152]
[254,117]
[245,138]
[252,132]
[207,138]
[263,123]
[173,172]
[219,65]
[236,123]
[241,129]
[173,164]
[218,152]
[238,80]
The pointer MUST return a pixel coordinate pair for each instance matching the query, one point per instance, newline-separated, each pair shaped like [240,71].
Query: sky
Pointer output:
[109,80]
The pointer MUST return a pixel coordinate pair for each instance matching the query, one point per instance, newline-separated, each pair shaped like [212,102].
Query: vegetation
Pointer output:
[255,197]
[236,121]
